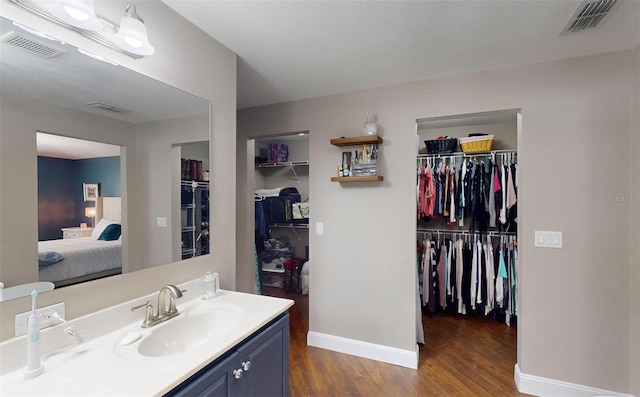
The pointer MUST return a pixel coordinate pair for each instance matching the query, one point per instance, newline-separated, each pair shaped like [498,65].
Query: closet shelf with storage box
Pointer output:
[290,164]
[284,164]
[359,166]
[374,178]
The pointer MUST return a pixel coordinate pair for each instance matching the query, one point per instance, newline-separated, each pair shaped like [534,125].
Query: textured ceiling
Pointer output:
[290,50]
[62,147]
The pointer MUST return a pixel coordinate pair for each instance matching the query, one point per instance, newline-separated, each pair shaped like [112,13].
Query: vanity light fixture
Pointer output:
[132,34]
[130,38]
[78,13]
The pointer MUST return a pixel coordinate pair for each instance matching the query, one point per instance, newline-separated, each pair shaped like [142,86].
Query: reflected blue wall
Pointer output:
[60,196]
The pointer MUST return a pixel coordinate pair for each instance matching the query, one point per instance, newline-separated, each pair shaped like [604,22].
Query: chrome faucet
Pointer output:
[152,317]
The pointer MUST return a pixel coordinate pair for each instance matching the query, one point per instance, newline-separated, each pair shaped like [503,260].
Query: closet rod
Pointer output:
[441,231]
[463,154]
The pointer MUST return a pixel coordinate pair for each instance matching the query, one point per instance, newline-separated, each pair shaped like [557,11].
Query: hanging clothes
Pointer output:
[479,192]
[476,271]
[476,276]
[440,270]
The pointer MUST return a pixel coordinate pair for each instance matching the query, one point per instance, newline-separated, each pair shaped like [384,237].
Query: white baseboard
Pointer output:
[539,386]
[391,355]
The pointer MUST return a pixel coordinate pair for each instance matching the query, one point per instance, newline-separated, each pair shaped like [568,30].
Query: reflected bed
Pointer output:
[84,258]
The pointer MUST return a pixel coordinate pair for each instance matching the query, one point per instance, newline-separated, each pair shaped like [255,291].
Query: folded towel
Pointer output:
[269,192]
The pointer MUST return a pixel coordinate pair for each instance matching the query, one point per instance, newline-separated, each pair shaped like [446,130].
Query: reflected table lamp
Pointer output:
[90,212]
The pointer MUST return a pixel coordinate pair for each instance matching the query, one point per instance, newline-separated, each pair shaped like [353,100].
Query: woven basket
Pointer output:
[477,144]
[437,146]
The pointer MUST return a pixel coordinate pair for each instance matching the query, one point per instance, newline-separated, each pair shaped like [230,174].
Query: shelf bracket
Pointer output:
[293,169]
[293,229]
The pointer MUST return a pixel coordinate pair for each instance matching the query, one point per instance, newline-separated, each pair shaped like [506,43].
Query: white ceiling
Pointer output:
[290,50]
[63,147]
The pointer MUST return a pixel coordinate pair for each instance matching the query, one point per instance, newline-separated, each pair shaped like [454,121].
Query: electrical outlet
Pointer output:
[161,221]
[47,319]
[547,239]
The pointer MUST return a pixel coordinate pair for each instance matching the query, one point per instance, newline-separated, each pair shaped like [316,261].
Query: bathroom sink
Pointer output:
[187,332]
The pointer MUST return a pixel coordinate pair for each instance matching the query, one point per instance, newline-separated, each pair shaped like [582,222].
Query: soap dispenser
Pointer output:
[34,362]
[211,282]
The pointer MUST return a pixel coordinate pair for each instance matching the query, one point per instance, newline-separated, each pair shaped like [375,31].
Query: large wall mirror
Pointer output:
[51,89]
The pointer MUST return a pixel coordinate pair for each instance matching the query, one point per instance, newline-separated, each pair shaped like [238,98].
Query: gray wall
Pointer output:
[634,280]
[575,302]
[160,185]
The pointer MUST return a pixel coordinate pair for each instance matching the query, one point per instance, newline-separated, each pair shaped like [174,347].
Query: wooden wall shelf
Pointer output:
[356,140]
[356,178]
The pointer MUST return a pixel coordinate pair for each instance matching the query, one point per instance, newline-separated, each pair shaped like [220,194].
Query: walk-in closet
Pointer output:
[281,197]
[467,223]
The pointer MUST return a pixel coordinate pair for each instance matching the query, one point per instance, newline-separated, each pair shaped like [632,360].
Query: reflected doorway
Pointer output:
[76,178]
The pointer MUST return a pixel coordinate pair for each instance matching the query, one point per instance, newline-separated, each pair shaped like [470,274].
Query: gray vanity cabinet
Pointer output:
[268,355]
[258,366]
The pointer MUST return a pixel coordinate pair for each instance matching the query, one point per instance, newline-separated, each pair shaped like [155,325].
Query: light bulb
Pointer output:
[132,36]
[77,13]
[133,42]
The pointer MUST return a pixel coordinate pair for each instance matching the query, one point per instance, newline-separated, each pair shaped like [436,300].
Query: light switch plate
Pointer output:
[161,221]
[547,239]
[46,318]
[319,228]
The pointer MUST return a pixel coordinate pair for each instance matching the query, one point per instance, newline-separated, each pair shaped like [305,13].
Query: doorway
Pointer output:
[280,171]
[438,231]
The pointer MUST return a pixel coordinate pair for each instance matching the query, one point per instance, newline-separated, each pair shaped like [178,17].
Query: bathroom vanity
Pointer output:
[258,366]
[236,344]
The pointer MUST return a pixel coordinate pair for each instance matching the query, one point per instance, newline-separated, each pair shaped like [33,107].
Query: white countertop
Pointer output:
[101,367]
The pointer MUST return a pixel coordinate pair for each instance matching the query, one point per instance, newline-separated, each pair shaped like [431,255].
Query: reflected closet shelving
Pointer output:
[194,197]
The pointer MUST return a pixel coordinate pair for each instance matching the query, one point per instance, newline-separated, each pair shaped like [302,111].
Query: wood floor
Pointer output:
[463,356]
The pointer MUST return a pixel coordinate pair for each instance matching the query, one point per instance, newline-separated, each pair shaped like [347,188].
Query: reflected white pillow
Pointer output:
[97,231]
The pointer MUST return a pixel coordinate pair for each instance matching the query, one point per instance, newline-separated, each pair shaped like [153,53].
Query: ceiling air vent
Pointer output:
[29,44]
[589,14]
[110,108]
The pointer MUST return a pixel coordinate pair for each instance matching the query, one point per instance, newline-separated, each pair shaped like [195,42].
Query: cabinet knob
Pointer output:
[237,373]
[246,365]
